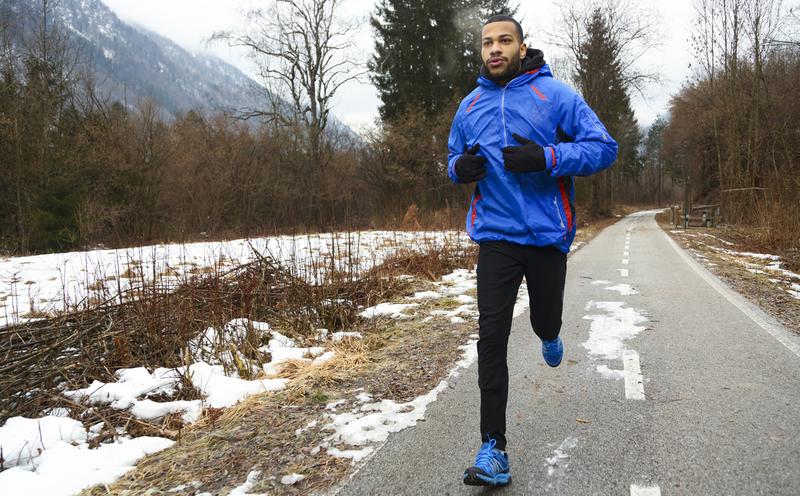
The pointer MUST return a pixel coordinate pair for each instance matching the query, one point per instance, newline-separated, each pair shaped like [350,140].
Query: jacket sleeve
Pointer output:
[591,150]
[455,146]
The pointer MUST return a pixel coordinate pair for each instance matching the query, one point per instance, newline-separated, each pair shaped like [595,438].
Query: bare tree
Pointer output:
[633,31]
[303,54]
[790,34]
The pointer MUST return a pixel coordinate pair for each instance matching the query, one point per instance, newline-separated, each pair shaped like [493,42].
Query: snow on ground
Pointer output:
[31,286]
[557,463]
[220,390]
[51,455]
[623,289]
[393,310]
[610,373]
[251,480]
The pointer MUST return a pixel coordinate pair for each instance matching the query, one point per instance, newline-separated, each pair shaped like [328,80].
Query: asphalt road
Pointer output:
[715,409]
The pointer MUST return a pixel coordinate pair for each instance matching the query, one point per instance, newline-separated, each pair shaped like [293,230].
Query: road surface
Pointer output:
[670,384]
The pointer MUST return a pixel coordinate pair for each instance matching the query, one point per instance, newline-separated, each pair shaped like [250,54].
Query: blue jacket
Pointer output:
[533,208]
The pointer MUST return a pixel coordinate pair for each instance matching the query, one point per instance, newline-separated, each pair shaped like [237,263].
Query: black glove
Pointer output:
[469,166]
[526,158]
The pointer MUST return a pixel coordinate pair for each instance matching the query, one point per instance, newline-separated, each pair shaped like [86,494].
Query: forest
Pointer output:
[78,170]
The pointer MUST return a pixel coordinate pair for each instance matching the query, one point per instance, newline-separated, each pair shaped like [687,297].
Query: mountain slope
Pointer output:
[130,63]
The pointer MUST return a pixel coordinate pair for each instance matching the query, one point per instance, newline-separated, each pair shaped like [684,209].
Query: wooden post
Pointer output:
[686,206]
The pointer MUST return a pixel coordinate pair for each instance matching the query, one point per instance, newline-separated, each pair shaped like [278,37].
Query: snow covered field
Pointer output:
[55,454]
[52,455]
[35,286]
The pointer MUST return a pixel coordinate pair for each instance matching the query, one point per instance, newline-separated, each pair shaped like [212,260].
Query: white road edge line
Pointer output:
[764,320]
[634,383]
[637,490]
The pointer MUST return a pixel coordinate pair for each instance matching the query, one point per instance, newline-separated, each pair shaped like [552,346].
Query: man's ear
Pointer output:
[523,49]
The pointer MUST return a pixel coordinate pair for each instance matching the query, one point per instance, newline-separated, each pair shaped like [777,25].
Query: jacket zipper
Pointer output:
[560,218]
[503,112]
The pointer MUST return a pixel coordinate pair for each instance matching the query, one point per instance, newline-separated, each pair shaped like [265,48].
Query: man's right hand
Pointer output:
[471,167]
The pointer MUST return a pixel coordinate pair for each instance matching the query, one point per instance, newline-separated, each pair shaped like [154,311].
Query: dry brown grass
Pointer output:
[430,264]
[352,358]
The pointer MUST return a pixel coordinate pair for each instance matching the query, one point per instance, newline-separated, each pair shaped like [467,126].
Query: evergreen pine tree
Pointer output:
[427,52]
[599,76]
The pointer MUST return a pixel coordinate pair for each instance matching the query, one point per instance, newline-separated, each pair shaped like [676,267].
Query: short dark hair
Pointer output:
[505,18]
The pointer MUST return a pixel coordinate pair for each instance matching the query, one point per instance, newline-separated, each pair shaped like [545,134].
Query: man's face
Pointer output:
[501,50]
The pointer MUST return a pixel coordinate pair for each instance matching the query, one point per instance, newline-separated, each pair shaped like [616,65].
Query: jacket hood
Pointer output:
[534,59]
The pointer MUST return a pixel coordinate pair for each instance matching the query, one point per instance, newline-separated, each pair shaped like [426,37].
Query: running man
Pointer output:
[520,136]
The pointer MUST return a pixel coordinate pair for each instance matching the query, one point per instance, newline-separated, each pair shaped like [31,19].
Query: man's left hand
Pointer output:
[529,157]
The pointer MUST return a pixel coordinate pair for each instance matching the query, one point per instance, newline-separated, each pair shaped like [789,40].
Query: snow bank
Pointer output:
[54,281]
[66,469]
[23,439]
[393,310]
[51,455]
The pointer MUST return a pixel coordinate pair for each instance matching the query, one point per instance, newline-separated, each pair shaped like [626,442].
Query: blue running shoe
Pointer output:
[553,351]
[490,469]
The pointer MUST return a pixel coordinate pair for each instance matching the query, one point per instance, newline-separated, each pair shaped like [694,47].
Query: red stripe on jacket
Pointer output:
[473,102]
[536,90]
[565,202]
[474,211]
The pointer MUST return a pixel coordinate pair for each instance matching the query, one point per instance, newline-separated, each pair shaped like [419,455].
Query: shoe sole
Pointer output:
[479,480]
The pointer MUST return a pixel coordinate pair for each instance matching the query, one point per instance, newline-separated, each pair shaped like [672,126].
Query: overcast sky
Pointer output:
[190,22]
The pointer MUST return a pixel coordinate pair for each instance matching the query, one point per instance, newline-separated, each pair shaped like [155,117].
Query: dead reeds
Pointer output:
[152,324]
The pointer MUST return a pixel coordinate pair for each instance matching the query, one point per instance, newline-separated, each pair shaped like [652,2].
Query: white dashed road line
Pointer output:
[645,490]
[634,383]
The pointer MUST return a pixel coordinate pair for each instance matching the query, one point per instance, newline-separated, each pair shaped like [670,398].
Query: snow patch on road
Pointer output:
[557,463]
[622,289]
[610,373]
[609,330]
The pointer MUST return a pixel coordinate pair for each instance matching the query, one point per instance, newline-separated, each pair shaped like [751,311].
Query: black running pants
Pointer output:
[501,266]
